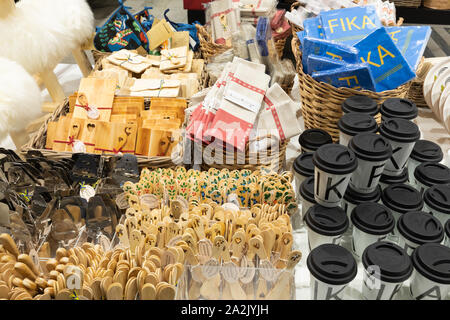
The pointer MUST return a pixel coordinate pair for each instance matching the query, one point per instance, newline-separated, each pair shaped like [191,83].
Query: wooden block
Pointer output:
[114,137]
[95,93]
[51,131]
[61,133]
[88,134]
[143,141]
[162,142]
[74,133]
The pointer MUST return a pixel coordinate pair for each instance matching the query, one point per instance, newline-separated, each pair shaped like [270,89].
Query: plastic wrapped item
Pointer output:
[313,28]
[263,34]
[387,65]
[349,25]
[411,41]
[288,70]
[239,45]
[328,49]
[356,76]
[224,20]
[250,36]
[317,63]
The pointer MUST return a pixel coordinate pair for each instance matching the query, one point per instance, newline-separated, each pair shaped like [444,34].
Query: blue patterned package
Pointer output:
[328,49]
[263,34]
[318,63]
[349,25]
[411,41]
[301,36]
[388,66]
[356,76]
[313,28]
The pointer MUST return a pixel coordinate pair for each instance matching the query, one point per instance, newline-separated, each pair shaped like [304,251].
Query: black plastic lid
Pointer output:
[431,173]
[386,179]
[353,196]
[370,147]
[312,139]
[447,228]
[353,123]
[303,164]
[399,108]
[335,159]
[327,221]
[427,151]
[420,227]
[373,218]
[438,198]
[402,198]
[400,130]
[307,190]
[360,104]
[394,263]
[332,264]
[432,260]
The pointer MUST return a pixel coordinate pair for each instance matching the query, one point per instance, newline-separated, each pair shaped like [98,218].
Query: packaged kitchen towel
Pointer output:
[318,63]
[356,76]
[411,41]
[224,20]
[388,67]
[349,25]
[328,49]
[280,120]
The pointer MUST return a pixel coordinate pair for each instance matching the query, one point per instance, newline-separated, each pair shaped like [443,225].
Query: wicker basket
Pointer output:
[437,4]
[415,92]
[273,159]
[322,102]
[38,141]
[208,48]
[407,3]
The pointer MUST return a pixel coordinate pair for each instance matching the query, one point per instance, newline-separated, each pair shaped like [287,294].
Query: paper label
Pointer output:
[79,147]
[87,192]
[93,113]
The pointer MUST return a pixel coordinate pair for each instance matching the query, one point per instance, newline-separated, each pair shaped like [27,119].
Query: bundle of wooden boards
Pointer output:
[98,122]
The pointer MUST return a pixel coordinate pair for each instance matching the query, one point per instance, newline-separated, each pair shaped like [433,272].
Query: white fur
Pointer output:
[39,33]
[20,98]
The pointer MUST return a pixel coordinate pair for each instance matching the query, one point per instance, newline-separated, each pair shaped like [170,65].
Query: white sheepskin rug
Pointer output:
[20,98]
[38,34]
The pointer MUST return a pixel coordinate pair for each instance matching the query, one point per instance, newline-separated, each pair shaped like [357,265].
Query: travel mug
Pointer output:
[387,180]
[372,222]
[372,152]
[437,202]
[334,165]
[447,233]
[402,135]
[386,267]
[325,225]
[416,228]
[398,108]
[400,199]
[303,168]
[352,198]
[307,195]
[423,151]
[429,174]
[354,123]
[311,139]
[360,104]
[332,268]
[431,276]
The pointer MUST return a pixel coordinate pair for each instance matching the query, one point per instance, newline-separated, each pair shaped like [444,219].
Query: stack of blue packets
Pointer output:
[350,48]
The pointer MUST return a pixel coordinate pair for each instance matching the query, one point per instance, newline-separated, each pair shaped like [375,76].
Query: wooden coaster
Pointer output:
[148,292]
[114,292]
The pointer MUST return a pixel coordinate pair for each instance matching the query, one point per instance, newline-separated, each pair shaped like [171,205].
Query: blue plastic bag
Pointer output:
[263,34]
[318,63]
[349,25]
[328,49]
[411,41]
[356,76]
[388,66]
[194,41]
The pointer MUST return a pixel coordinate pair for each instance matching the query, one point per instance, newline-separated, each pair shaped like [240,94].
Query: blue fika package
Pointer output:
[328,49]
[388,66]
[301,36]
[318,63]
[411,41]
[356,76]
[349,25]
[313,28]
